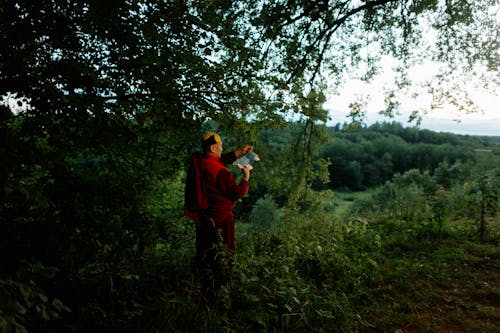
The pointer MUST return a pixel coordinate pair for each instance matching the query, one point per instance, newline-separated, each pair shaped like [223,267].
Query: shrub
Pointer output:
[406,203]
[265,214]
[416,177]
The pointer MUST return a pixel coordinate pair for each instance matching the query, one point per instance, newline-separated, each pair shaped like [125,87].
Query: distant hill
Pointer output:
[416,135]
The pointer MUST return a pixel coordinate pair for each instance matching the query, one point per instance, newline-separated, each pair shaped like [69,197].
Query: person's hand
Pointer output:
[243,151]
[246,172]
[247,149]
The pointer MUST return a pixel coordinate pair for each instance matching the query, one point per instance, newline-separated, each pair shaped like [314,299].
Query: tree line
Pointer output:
[370,156]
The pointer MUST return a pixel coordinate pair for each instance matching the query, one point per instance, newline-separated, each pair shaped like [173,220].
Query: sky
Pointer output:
[484,122]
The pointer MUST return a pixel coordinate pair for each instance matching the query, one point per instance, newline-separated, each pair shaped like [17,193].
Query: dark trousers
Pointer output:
[212,259]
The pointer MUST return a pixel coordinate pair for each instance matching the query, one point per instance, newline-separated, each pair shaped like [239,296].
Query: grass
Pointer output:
[357,277]
[449,285]
[454,296]
[454,287]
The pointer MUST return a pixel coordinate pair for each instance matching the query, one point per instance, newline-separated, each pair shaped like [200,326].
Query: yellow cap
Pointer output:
[209,135]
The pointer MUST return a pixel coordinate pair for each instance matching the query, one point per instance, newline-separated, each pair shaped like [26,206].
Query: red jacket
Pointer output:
[221,187]
[211,193]
[211,189]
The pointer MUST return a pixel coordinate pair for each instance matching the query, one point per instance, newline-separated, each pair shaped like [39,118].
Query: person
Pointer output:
[210,195]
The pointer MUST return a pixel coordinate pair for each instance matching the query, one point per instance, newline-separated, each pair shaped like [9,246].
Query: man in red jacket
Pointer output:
[210,196]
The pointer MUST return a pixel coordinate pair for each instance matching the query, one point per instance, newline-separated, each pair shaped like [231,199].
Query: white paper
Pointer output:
[247,159]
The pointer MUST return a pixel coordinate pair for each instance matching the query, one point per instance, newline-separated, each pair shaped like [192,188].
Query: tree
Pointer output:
[300,165]
[111,96]
[440,204]
[311,38]
[482,198]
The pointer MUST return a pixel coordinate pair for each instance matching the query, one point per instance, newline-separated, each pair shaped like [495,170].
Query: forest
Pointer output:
[346,228]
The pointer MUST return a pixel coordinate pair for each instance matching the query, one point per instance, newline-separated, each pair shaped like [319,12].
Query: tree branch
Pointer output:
[331,27]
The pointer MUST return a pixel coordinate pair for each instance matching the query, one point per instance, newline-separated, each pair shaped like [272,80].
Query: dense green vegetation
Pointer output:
[101,103]
[368,157]
[307,259]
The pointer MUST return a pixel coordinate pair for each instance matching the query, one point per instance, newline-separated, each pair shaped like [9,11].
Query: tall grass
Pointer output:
[318,272]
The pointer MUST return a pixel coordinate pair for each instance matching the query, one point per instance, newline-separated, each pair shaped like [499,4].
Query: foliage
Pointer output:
[338,37]
[440,204]
[101,104]
[265,215]
[448,174]
[302,163]
[482,196]
[26,305]
[413,176]
[417,197]
[347,275]
[391,201]
[368,157]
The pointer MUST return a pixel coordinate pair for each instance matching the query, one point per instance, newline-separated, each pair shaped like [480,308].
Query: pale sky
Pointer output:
[486,122]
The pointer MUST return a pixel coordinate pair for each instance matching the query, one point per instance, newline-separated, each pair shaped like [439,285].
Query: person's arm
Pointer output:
[228,158]
[231,156]
[229,187]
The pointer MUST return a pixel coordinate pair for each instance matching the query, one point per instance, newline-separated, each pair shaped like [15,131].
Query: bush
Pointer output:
[26,306]
[416,177]
[391,201]
[265,214]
